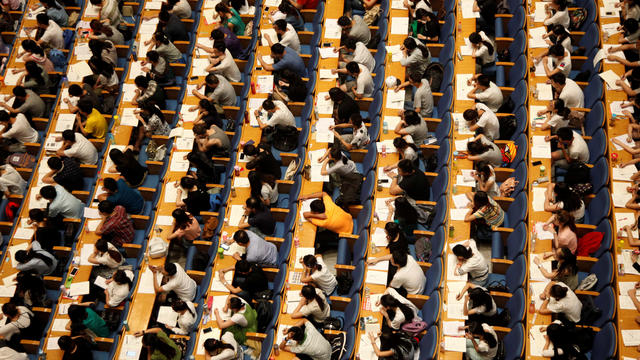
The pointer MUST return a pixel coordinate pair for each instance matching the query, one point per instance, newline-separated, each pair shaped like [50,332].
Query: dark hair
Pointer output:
[183,220]
[556,50]
[34,71]
[121,277]
[170,268]
[141,81]
[161,37]
[37,215]
[570,200]
[568,265]
[336,154]
[4,116]
[102,245]
[483,80]
[630,26]
[406,166]
[200,129]
[187,182]
[268,104]
[566,219]
[559,78]
[85,105]
[462,251]
[470,114]
[558,291]
[154,343]
[216,346]
[217,34]
[212,79]
[254,203]
[9,309]
[317,206]
[75,90]
[110,184]
[220,46]
[164,16]
[356,121]
[311,262]
[411,44]
[394,231]
[235,304]
[310,293]
[153,55]
[48,192]
[117,156]
[415,77]
[412,118]
[298,331]
[480,199]
[476,328]
[353,67]
[565,133]
[479,297]
[243,266]
[388,301]
[399,257]
[336,94]
[106,206]
[405,211]
[475,38]
[100,28]
[222,8]
[562,4]
[19,91]
[90,80]
[28,44]
[281,24]
[77,313]
[179,305]
[350,42]
[250,150]
[558,105]
[65,343]
[241,237]
[484,169]
[560,32]
[344,21]
[277,49]
[97,46]
[42,19]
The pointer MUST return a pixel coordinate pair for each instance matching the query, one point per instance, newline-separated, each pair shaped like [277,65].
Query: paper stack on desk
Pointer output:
[324,106]
[301,252]
[617,109]
[461,201]
[542,234]
[457,344]
[630,337]
[323,134]
[452,260]
[328,52]
[326,74]
[539,14]
[316,166]
[535,272]
[610,78]
[544,92]
[305,206]
[537,340]
[199,67]
[82,51]
[540,148]
[77,71]
[264,84]
[399,25]
[623,219]
[537,288]
[272,35]
[538,198]
[623,174]
[396,53]
[376,277]
[625,140]
[365,349]
[331,29]
[620,194]
[379,238]
[381,208]
[395,99]
[216,285]
[145,285]
[535,37]
[606,49]
[462,86]
[384,177]
[135,69]
[467,10]
[131,347]
[65,122]
[293,299]
[167,316]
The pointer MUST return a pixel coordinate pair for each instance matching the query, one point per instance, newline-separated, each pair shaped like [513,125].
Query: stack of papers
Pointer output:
[379,238]
[79,288]
[85,252]
[535,273]
[326,74]
[630,337]
[77,71]
[544,92]
[538,198]
[293,299]
[264,84]
[537,288]
[623,219]
[625,140]
[537,340]
[376,277]
[541,233]
[625,259]
[611,28]
[539,14]
[617,109]
[396,53]
[458,214]
[461,201]
[466,49]
[331,29]
[324,106]
[400,26]
[199,67]
[65,122]
[305,206]
[167,316]
[395,99]
[272,36]
[606,49]
[535,119]
[620,194]
[388,146]
[623,174]
[316,166]
[610,78]
[452,260]
[457,344]
[452,328]
[462,86]
[540,149]
[178,163]
[216,285]
[323,134]
[301,252]
[145,284]
[131,347]
[328,52]
[381,209]
[536,40]
[384,178]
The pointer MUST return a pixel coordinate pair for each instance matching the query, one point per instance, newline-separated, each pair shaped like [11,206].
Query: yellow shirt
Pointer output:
[338,220]
[96,125]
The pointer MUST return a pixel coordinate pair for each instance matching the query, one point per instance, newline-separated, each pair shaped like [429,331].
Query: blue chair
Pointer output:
[517,46]
[429,344]
[516,72]
[350,314]
[447,29]
[599,207]
[607,239]
[363,219]
[517,211]
[267,345]
[350,343]
[446,53]
[284,250]
[447,76]
[440,214]
[606,302]
[517,306]
[599,174]
[591,9]
[347,256]
[374,108]
[278,281]
[515,275]
[521,121]
[514,343]
[380,58]
[597,146]
[440,184]
[603,269]
[523,148]
[594,119]
[593,92]
[443,130]
[430,312]
[520,174]
[515,243]
[519,96]
[515,24]
[605,343]
[444,104]
[434,277]
[591,37]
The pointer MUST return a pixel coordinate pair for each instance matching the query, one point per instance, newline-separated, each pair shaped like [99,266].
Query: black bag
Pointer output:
[431,163]
[577,173]
[502,319]
[508,126]
[498,286]
[338,346]
[504,55]
[583,76]
[285,138]
[583,338]
[344,284]
[350,190]
[507,106]
[332,323]
[434,73]
[590,312]
[423,249]
[578,17]
[374,41]
[264,313]
[264,295]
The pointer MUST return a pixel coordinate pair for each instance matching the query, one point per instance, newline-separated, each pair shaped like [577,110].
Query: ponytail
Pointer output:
[310,293]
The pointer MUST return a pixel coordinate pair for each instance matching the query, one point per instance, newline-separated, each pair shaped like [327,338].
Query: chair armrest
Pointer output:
[500,266]
[154,166]
[131,250]
[196,275]
[275,240]
[432,123]
[423,233]
[585,263]
[52,282]
[503,201]
[358,155]
[286,158]
[503,174]
[88,170]
[270,273]
[418,299]
[424,266]
[284,186]
[104,344]
[501,331]
[500,298]
[351,239]
[339,303]
[279,214]
[202,245]
[147,193]
[140,221]
[584,229]
[344,269]
[504,233]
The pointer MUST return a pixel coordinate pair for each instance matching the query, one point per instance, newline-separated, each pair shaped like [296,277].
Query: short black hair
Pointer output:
[350,42]
[317,206]
[556,50]
[42,19]
[241,237]
[106,206]
[212,79]
[200,129]
[153,55]
[268,104]
[344,21]
[406,165]
[54,163]
[565,133]
[462,251]
[19,91]
[281,24]
[484,80]
[399,257]
[75,90]
[85,105]
[220,46]
[217,34]
[470,114]
[559,78]
[69,135]
[141,81]
[164,16]
[48,192]
[4,116]
[277,49]
[110,184]
[353,67]
[170,268]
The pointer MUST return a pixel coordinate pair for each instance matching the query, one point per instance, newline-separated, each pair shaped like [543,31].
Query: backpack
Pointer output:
[508,126]
[589,243]
[285,138]
[372,15]
[509,152]
[434,73]
[344,284]
[507,106]
[588,283]
[423,248]
[350,190]
[22,160]
[502,319]
[415,327]
[431,163]
[498,286]
[338,346]
[332,323]
[578,17]
[374,41]
[508,187]
[291,170]
[584,337]
[264,313]
[158,247]
[590,312]
[58,58]
[577,173]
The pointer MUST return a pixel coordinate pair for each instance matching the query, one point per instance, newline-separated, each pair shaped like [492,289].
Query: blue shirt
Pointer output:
[261,251]
[129,198]
[65,204]
[58,15]
[292,61]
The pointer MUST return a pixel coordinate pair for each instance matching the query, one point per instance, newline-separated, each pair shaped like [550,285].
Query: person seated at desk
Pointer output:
[409,277]
[148,92]
[288,12]
[566,341]
[16,318]
[413,182]
[425,26]
[35,259]
[631,31]
[178,285]
[471,262]
[33,52]
[151,122]
[164,47]
[30,291]
[185,227]
[478,303]
[482,149]
[118,288]
[103,31]
[307,342]
[105,50]
[483,50]
[180,8]
[485,177]
[486,92]
[25,102]
[82,317]
[487,10]
[277,112]
[356,28]
[259,251]
[354,50]
[482,120]
[158,345]
[128,166]
[290,87]
[94,126]
[406,150]
[48,34]
[566,270]
[326,214]
[186,318]
[86,92]
[396,309]
[243,319]
[115,224]
[362,86]
[565,236]
[226,348]
[158,69]
[412,124]
[226,36]
[284,58]
[75,145]
[75,347]
[415,57]
[482,341]
[257,218]
[336,165]
[207,114]
[172,26]
[560,60]
[407,214]
[212,140]
[317,274]
[45,234]
[561,197]
[217,89]
[107,257]
[230,19]
[343,106]
[109,11]
[61,202]
[358,139]
[484,214]
[11,182]
[197,199]
[393,345]
[108,79]
[557,14]
[7,353]
[287,36]
[119,193]
[567,90]
[34,78]
[313,305]
[559,299]
[572,148]
[558,35]
[260,158]
[249,280]
[557,116]
[422,102]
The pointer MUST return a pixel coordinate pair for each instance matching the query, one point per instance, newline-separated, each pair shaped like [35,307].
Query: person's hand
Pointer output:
[469,82]
[335,49]
[38,197]
[108,281]
[632,292]
[371,337]
[619,82]
[536,260]
[543,296]
[396,88]
[334,71]
[634,257]
[459,296]
[138,333]
[372,261]
[256,113]
[468,336]
[285,331]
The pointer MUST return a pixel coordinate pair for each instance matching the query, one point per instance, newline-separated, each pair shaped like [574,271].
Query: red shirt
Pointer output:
[120,226]
[308,4]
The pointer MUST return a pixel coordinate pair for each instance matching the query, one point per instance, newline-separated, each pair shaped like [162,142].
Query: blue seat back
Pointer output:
[516,273]
[443,130]
[445,102]
[350,343]
[600,174]
[599,207]
[431,309]
[603,269]
[518,71]
[606,302]
[517,306]
[429,344]
[434,277]
[514,343]
[605,343]
[607,240]
[447,29]
[516,241]
[517,210]
[593,92]
[516,23]
[440,183]
[594,119]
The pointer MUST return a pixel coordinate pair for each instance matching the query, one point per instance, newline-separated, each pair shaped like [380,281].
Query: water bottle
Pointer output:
[384,150]
[125,324]
[191,357]
[42,355]
[134,52]
[534,237]
[385,127]
[65,82]
[296,241]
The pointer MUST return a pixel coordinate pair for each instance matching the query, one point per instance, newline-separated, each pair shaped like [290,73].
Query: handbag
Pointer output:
[414,327]
[157,247]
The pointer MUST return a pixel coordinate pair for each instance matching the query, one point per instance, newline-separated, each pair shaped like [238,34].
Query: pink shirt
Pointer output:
[568,239]
[190,233]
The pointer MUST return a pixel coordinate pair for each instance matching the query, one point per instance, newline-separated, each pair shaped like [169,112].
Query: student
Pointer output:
[482,149]
[105,50]
[79,93]
[317,274]
[356,140]
[290,87]
[558,35]
[148,92]
[102,31]
[75,145]
[409,275]
[35,78]
[151,123]
[115,223]
[249,280]
[94,125]
[478,303]
[7,353]
[226,36]
[197,198]
[287,36]
[49,34]
[207,114]
[483,50]
[354,50]
[178,282]
[326,214]
[343,106]
[109,10]
[630,9]
[355,28]
[75,348]
[572,148]
[414,183]
[172,26]
[17,319]
[36,260]
[108,79]
[560,59]
[158,345]
[217,89]
[313,305]
[284,58]
[557,116]
[422,98]
[485,178]
[487,10]
[414,125]
[406,150]
[557,14]
[128,166]
[485,214]
[259,250]
[257,218]
[119,193]
[559,299]
[425,26]
[164,47]
[486,92]
[393,345]
[567,90]
[179,8]
[185,227]
[562,342]
[415,57]
[565,236]
[397,241]
[405,212]
[222,63]
[482,341]
[226,348]
[262,160]
[306,341]
[33,52]
[243,319]
[61,202]
[278,114]
[105,254]
[186,317]
[45,234]
[159,70]
[83,317]
[289,13]
[212,141]
[26,102]
[340,167]
[481,117]
[471,262]
[17,130]
[362,86]
[561,197]
[566,270]
[396,309]
[118,288]
[230,18]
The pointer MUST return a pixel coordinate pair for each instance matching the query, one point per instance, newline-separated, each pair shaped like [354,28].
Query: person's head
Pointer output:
[353,68]
[277,51]
[470,115]
[96,2]
[212,81]
[405,167]
[241,237]
[28,45]
[75,90]
[182,219]
[170,269]
[475,38]
[217,35]
[200,130]
[394,232]
[5,117]
[309,292]
[311,262]
[630,26]
[243,267]
[215,346]
[20,92]
[350,44]
[557,51]
[480,297]
[567,262]
[48,192]
[565,135]
[415,78]
[345,22]
[121,278]
[85,107]
[164,17]
[411,117]
[181,307]
[219,48]
[254,205]
[484,82]
[77,313]
[42,20]
[296,333]
[235,304]
[222,9]
[10,310]
[250,150]
[356,121]
[37,215]
[410,44]
[141,82]
[117,156]
[400,143]
[280,26]
[483,169]
[287,8]
[559,108]
[110,185]
[90,80]
[269,105]
[399,258]
[564,219]
[317,206]
[558,81]
[102,245]
[391,304]
[558,291]
[99,28]
[160,38]
[462,252]
[480,199]
[559,4]
[571,200]
[336,94]
[34,71]
[335,153]
[559,31]
[106,207]
[153,343]
[404,210]
[65,343]
[188,183]
[422,15]
[153,56]
[476,329]
[558,335]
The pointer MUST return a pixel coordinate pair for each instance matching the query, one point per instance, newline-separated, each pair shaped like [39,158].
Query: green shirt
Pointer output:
[157,355]
[238,24]
[96,324]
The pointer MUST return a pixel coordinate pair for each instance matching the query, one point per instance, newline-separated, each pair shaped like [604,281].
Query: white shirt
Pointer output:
[360,137]
[411,277]
[578,150]
[491,96]
[12,181]
[106,259]
[559,18]
[52,36]
[290,38]
[476,266]
[314,344]
[569,305]
[323,278]
[21,131]
[572,94]
[118,292]
[83,150]
[186,320]
[182,9]
[282,115]
[183,285]
[556,122]
[483,52]
[363,56]
[228,68]
[483,346]
[313,308]
[364,82]
[7,353]
[564,65]
[399,317]
[270,193]
[489,122]
[8,329]
[228,354]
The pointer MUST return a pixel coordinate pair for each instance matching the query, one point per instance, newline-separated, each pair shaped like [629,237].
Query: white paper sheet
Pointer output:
[101,282]
[178,163]
[622,138]
[92,225]
[300,253]
[462,86]
[541,233]
[451,328]
[626,302]
[328,52]
[379,238]
[164,220]
[23,233]
[620,194]
[630,337]
[324,106]
[79,288]
[85,252]
[52,343]
[610,79]
[452,260]
[388,144]
[535,273]
[331,29]
[538,198]
[623,219]
[539,14]
[396,53]
[216,285]
[325,74]
[544,92]
[235,215]
[457,344]
[461,201]
[60,325]
[145,284]
[213,334]
[272,35]
[625,259]
[617,109]
[131,347]
[9,280]
[264,84]
[167,316]
[395,100]
[400,25]
[537,341]
[540,149]
[14,249]
[537,288]
[467,10]
[458,214]
[376,277]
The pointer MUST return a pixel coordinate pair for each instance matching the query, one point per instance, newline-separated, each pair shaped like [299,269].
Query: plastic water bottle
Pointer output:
[385,127]
[296,241]
[384,150]
[65,82]
[42,355]
[125,324]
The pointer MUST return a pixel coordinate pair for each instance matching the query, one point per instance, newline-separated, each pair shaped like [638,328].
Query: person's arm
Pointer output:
[545,273]
[626,88]
[93,258]
[379,353]
[472,94]
[400,128]
[222,324]
[156,287]
[80,125]
[268,67]
[100,230]
[373,261]
[550,72]
[48,178]
[316,195]
[345,144]
[296,314]
[394,188]
[323,169]
[627,148]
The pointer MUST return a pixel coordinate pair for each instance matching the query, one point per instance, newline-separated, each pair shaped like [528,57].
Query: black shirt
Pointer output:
[48,237]
[255,282]
[197,201]
[70,176]
[416,185]
[346,108]
[263,220]
[83,350]
[131,170]
[175,29]
[265,163]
